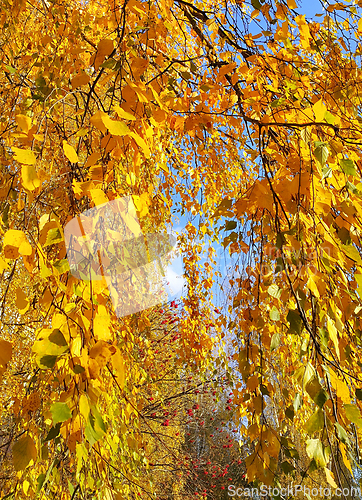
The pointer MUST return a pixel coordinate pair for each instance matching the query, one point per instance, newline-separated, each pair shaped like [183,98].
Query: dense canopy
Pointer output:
[243,120]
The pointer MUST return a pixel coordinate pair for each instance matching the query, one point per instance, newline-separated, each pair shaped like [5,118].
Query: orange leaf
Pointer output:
[80,80]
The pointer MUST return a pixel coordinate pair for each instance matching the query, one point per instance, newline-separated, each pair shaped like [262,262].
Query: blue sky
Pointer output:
[310,9]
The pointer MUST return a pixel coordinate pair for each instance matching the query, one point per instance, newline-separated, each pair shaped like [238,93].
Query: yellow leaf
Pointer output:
[141,203]
[101,353]
[346,462]
[21,301]
[76,346]
[15,243]
[24,450]
[98,196]
[70,152]
[82,132]
[29,177]
[101,324]
[291,4]
[84,406]
[319,110]
[118,366]
[26,486]
[273,446]
[3,264]
[25,156]
[253,466]
[131,179]
[24,123]
[333,336]
[80,80]
[115,127]
[304,374]
[142,143]
[82,188]
[312,285]
[314,449]
[340,387]
[330,478]
[6,350]
[123,114]
[131,220]
[304,31]
[142,95]
[97,121]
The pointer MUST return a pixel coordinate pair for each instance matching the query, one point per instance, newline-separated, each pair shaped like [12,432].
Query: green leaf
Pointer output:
[289,413]
[99,425]
[327,172]
[57,338]
[274,291]
[297,403]
[256,4]
[71,488]
[277,102]
[10,69]
[274,314]
[313,388]
[348,167]
[47,361]
[90,433]
[40,482]
[275,342]
[53,432]
[305,134]
[48,351]
[324,336]
[359,394]
[352,253]
[60,412]
[329,118]
[287,467]
[304,375]
[78,369]
[205,87]
[223,208]
[295,321]
[314,451]
[24,450]
[321,398]
[108,64]
[230,225]
[342,434]
[53,236]
[62,266]
[353,414]
[351,187]
[315,423]
[321,152]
